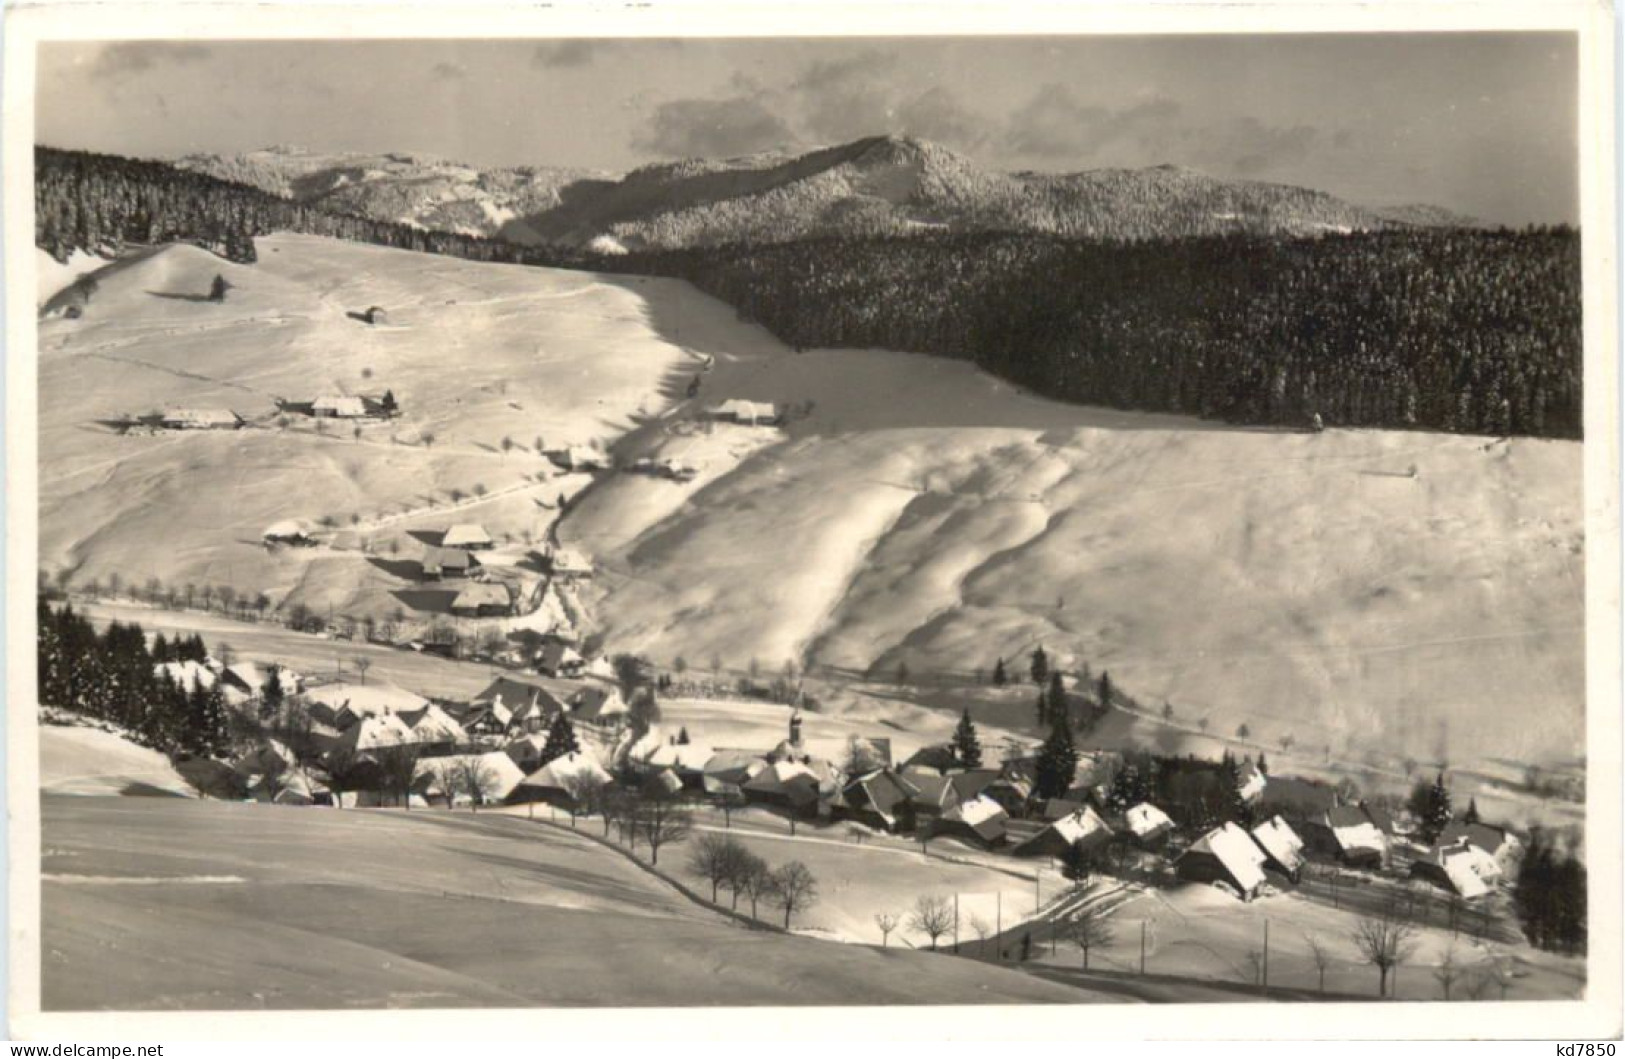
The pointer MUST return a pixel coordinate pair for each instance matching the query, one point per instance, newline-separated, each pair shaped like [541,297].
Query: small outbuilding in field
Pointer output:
[745,413]
[290,533]
[200,419]
[339,408]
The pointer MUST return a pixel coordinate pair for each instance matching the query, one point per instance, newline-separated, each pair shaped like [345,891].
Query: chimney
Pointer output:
[795,729]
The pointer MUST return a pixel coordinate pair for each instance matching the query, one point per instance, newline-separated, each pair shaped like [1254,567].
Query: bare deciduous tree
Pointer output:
[1089,929]
[585,789]
[1320,955]
[716,859]
[1449,971]
[932,916]
[793,889]
[753,878]
[887,922]
[662,822]
[983,930]
[1385,941]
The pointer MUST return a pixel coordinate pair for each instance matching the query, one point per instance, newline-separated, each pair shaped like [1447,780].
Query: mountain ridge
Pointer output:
[878,185]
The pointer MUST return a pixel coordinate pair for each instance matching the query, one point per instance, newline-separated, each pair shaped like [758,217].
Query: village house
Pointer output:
[581,458]
[511,704]
[1347,833]
[979,821]
[1149,825]
[1501,845]
[686,761]
[467,536]
[438,563]
[727,772]
[1083,827]
[483,600]
[1227,856]
[879,799]
[249,678]
[188,675]
[1458,867]
[1282,847]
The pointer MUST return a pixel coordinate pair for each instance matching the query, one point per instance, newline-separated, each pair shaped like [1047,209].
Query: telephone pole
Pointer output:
[1142,946]
[956,923]
[1265,983]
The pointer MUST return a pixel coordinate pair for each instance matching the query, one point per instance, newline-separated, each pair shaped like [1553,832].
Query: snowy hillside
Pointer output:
[95,760]
[1361,590]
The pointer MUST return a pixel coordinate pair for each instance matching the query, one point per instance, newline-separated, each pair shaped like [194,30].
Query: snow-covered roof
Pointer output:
[465,534]
[556,774]
[187,674]
[201,416]
[1471,871]
[1280,842]
[433,725]
[1146,819]
[498,773]
[366,699]
[1357,835]
[569,560]
[1252,784]
[1082,824]
[344,406]
[288,527]
[749,411]
[690,756]
[253,675]
[977,810]
[483,594]
[1238,853]
[376,732]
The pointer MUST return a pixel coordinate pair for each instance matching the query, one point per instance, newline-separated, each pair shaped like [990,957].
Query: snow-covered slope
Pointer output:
[1404,592]
[92,761]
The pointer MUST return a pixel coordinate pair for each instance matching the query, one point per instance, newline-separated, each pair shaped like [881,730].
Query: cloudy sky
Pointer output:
[1484,124]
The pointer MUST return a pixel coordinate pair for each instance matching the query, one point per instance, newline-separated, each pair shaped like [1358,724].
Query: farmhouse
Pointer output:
[510,703]
[200,419]
[1226,855]
[433,727]
[483,600]
[686,760]
[377,732]
[978,821]
[1083,827]
[1282,847]
[339,408]
[746,413]
[440,563]
[1149,825]
[1347,833]
[879,799]
[290,532]
[785,784]
[468,536]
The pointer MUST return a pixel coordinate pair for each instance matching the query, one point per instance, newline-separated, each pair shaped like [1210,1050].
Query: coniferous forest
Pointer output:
[1463,330]
[1451,329]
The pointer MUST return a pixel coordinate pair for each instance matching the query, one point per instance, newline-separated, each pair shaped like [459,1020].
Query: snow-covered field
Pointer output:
[94,761]
[1360,591]
[269,907]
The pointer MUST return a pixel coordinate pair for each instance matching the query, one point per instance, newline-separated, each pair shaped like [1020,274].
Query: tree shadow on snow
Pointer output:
[179,296]
[405,569]
[428,600]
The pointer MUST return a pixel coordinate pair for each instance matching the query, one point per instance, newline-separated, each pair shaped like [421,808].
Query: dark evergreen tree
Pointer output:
[1436,811]
[1040,666]
[1471,815]
[1000,677]
[561,739]
[1057,765]
[967,747]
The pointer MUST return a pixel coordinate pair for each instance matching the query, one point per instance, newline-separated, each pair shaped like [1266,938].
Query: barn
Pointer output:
[1083,826]
[289,532]
[338,408]
[200,419]
[746,413]
[1282,847]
